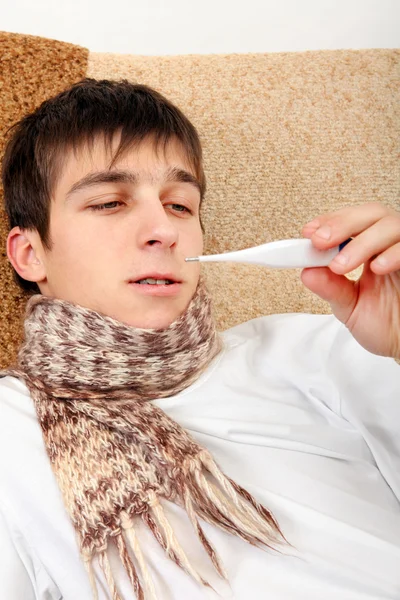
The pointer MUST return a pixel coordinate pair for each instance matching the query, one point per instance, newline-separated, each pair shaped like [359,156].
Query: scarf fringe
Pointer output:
[127,524]
[172,546]
[87,561]
[229,506]
[106,567]
[249,515]
[233,509]
[129,566]
[216,561]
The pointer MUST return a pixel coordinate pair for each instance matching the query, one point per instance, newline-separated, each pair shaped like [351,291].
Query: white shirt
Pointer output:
[297,412]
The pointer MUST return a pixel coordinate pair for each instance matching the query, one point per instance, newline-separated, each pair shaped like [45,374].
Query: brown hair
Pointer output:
[33,157]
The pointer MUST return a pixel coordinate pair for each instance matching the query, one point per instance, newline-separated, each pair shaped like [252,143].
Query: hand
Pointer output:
[370,306]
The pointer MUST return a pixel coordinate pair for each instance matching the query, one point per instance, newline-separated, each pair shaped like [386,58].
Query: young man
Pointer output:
[124,394]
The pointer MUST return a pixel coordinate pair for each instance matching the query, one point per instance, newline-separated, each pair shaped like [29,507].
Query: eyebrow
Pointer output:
[172,174]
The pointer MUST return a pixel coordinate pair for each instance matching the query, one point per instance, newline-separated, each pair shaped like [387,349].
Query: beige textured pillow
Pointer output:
[286,137]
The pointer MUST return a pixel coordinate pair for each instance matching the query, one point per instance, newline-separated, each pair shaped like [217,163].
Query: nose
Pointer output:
[157,228]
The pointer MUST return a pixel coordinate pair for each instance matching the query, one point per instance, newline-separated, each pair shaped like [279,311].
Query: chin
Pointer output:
[151,312]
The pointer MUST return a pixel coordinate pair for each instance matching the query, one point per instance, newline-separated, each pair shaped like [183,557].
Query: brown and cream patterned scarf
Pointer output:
[114,453]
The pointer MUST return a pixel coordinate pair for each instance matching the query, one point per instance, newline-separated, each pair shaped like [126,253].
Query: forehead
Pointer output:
[146,159]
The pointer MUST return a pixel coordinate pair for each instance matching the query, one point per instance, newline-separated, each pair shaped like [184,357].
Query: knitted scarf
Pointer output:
[115,454]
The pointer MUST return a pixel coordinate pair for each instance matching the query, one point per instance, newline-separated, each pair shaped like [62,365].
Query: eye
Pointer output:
[105,206]
[180,208]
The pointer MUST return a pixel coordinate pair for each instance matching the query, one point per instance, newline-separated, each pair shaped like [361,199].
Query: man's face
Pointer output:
[111,228]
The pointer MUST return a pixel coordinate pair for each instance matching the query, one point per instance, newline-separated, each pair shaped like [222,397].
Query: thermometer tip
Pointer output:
[193,259]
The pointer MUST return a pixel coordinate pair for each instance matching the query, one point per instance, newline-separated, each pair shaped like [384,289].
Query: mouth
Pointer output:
[157,284]
[151,281]
[156,279]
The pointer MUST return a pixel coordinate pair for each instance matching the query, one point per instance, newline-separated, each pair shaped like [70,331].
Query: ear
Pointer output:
[25,252]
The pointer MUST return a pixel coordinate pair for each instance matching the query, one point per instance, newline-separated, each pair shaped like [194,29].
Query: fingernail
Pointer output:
[342,259]
[324,232]
[381,261]
[314,223]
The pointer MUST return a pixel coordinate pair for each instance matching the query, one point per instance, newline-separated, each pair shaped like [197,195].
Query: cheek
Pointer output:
[194,239]
[75,249]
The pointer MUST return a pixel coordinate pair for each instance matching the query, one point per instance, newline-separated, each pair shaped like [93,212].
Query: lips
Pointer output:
[156,290]
[167,276]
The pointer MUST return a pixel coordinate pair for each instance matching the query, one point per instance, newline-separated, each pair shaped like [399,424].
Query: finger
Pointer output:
[310,228]
[388,261]
[340,292]
[352,219]
[370,243]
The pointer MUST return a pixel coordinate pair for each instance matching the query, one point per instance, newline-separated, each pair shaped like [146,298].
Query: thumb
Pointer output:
[340,292]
